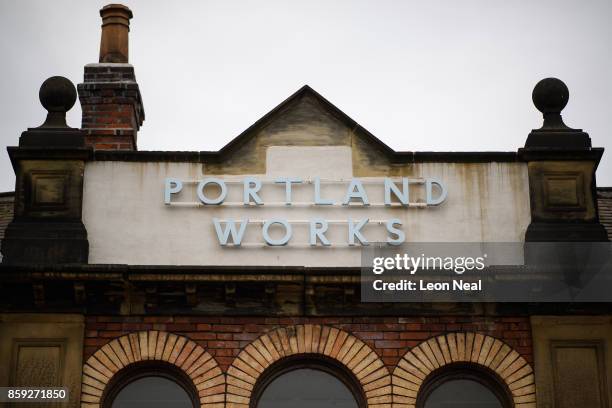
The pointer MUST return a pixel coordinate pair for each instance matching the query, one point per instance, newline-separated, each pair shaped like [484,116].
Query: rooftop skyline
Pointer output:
[420,76]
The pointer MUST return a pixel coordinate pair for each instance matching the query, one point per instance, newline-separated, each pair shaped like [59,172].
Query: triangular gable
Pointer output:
[304,92]
[304,119]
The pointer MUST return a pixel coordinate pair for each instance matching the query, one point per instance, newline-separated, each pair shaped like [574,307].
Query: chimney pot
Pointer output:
[115,29]
[110,97]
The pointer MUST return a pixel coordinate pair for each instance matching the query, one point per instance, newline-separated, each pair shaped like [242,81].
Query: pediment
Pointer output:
[304,119]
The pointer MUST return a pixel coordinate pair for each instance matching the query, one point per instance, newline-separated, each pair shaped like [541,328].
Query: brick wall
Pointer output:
[390,337]
[112,106]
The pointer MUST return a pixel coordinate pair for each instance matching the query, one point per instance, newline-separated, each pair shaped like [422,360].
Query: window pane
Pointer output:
[307,388]
[462,394]
[152,392]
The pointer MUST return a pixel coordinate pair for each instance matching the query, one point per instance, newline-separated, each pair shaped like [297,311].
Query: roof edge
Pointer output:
[398,157]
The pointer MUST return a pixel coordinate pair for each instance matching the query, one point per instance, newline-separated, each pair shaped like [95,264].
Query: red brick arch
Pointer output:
[153,345]
[436,352]
[331,342]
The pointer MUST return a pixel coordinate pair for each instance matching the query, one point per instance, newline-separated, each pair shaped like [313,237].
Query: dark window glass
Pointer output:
[152,392]
[307,388]
[462,394]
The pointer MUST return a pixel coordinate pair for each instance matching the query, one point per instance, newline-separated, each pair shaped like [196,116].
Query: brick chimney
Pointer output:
[110,98]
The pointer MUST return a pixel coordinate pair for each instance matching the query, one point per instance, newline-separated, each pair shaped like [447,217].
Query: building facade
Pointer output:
[232,278]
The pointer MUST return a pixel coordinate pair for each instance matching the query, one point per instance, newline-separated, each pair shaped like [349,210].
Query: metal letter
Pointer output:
[211,180]
[351,193]
[230,230]
[429,191]
[288,181]
[402,196]
[277,242]
[251,186]
[318,200]
[318,227]
[354,232]
[401,236]
[172,186]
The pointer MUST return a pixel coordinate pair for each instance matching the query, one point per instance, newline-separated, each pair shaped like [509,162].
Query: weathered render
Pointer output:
[487,201]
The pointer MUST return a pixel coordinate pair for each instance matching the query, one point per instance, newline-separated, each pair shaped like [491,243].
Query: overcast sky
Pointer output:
[420,75]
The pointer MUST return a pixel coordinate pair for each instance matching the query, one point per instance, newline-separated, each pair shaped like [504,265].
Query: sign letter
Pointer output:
[288,181]
[355,190]
[172,186]
[429,183]
[354,232]
[318,200]
[230,230]
[401,236]
[390,187]
[202,185]
[318,227]
[277,242]
[251,186]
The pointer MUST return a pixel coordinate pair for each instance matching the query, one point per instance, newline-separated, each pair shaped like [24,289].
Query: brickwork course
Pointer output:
[390,356]
[389,337]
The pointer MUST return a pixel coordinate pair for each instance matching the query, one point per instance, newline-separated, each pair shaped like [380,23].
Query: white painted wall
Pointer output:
[127,221]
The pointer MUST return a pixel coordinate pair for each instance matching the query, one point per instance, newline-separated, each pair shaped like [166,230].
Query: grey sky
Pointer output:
[420,75]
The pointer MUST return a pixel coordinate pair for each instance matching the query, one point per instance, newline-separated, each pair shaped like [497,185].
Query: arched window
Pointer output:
[307,383]
[150,385]
[464,386]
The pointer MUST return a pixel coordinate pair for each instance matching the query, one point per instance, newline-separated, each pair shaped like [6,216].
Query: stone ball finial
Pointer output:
[550,95]
[57,95]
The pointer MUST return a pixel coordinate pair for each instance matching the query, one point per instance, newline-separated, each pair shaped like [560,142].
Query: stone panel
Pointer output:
[578,377]
[43,350]
[571,360]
